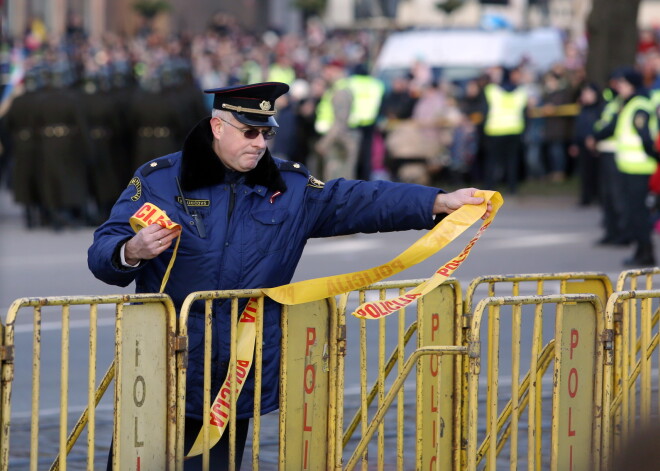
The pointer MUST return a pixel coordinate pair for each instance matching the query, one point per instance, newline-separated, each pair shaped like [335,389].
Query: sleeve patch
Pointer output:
[315,182]
[135,181]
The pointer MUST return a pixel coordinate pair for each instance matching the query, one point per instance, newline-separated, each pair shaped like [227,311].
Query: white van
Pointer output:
[457,54]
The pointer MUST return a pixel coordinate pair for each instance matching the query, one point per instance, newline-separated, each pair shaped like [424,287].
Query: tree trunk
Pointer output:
[612,33]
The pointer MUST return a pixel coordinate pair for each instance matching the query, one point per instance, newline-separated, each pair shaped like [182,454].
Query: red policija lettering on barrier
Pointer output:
[437,428]
[572,386]
[309,382]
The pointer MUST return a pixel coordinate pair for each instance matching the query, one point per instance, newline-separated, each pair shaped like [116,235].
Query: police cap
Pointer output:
[253,104]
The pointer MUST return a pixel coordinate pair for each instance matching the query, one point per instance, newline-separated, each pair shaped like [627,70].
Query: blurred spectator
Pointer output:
[609,177]
[503,128]
[284,144]
[591,107]
[473,106]
[339,142]
[367,94]
[555,95]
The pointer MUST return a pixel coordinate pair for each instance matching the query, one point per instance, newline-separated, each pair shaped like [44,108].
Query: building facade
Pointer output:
[97,16]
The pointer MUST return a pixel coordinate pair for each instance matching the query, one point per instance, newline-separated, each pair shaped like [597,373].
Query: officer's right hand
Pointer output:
[149,243]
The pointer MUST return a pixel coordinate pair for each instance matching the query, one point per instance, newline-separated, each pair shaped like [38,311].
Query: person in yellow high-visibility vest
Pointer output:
[503,128]
[635,128]
[368,94]
[336,122]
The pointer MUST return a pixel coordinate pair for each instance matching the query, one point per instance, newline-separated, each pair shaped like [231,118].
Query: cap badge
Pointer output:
[264,105]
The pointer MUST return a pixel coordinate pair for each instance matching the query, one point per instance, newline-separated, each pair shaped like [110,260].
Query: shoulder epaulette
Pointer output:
[288,166]
[150,167]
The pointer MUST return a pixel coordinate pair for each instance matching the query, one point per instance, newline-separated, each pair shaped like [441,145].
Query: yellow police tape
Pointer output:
[151,214]
[221,408]
[433,241]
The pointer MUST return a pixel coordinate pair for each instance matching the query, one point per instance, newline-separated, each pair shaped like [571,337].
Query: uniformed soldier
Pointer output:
[63,148]
[24,135]
[103,124]
[123,89]
[156,122]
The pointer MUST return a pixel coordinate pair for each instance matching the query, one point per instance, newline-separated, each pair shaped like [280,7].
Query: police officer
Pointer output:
[339,141]
[609,177]
[503,128]
[634,129]
[252,217]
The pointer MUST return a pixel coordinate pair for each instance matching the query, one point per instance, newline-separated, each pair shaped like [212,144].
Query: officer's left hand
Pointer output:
[450,202]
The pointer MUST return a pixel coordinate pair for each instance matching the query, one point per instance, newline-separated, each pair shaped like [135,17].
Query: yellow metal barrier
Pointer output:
[629,280]
[528,284]
[437,325]
[582,362]
[572,364]
[631,408]
[633,279]
[137,391]
[568,283]
[307,400]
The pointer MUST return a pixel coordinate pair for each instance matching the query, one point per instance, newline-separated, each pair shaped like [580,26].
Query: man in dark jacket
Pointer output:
[252,217]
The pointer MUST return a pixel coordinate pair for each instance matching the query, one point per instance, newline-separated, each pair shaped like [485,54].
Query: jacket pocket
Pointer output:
[265,230]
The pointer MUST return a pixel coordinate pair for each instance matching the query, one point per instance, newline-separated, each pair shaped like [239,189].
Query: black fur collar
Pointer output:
[201,167]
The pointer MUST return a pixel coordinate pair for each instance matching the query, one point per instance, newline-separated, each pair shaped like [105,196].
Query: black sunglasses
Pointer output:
[252,133]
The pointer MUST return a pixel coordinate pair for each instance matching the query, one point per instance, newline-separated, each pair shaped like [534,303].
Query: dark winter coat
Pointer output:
[258,245]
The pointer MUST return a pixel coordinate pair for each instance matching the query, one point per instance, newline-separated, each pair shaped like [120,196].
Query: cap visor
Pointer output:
[255,120]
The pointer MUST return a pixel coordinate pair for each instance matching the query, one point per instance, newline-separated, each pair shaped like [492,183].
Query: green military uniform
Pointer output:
[24,137]
[63,148]
[156,123]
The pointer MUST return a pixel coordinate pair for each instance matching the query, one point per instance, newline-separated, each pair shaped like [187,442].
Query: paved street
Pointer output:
[529,235]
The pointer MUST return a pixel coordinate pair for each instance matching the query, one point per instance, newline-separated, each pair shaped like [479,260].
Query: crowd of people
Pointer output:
[107,106]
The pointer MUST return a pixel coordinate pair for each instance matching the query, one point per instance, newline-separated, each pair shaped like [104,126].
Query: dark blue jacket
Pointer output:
[258,245]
